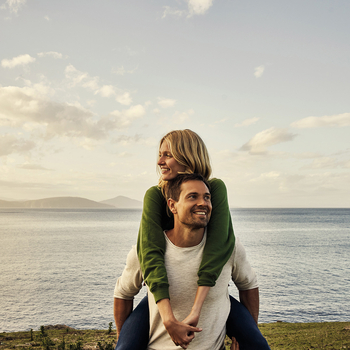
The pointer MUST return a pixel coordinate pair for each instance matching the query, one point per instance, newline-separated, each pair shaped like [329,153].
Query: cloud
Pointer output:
[169,11]
[121,70]
[21,60]
[266,138]
[181,117]
[122,119]
[13,5]
[78,78]
[194,7]
[28,109]
[32,167]
[246,122]
[259,71]
[11,144]
[199,7]
[338,120]
[126,140]
[52,54]
[106,91]
[166,102]
[109,90]
[47,18]
[124,99]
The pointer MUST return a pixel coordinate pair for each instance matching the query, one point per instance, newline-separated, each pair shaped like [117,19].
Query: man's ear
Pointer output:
[171,205]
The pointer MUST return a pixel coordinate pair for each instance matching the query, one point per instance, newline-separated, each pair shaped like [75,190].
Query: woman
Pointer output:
[180,151]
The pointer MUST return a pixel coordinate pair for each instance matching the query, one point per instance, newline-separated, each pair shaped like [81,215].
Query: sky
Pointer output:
[88,88]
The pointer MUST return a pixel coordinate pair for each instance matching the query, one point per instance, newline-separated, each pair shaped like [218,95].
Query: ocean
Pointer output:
[60,266]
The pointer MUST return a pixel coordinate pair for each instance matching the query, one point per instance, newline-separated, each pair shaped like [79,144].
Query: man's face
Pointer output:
[193,208]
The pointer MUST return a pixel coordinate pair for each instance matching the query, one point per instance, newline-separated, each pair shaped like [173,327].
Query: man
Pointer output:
[189,201]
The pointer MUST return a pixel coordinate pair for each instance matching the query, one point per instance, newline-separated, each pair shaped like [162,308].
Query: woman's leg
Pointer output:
[134,334]
[241,325]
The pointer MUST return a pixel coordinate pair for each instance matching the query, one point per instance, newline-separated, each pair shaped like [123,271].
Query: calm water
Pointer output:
[60,266]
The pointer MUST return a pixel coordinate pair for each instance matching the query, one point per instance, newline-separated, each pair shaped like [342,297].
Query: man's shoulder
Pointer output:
[238,251]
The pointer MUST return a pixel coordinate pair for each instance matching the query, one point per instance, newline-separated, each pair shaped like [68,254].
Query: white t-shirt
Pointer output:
[182,265]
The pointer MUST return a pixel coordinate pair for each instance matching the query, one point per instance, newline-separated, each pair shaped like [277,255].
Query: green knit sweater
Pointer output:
[151,241]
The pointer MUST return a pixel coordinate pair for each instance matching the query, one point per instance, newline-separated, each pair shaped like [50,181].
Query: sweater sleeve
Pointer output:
[151,243]
[243,275]
[130,282]
[220,236]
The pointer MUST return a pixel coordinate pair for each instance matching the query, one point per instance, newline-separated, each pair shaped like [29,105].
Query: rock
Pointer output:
[57,326]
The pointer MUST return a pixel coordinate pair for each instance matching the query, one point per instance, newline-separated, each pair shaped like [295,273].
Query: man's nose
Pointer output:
[202,202]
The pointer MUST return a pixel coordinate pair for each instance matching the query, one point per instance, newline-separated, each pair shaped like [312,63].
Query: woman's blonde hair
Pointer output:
[188,149]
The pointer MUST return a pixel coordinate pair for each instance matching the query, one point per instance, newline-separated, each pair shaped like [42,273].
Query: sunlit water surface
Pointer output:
[60,266]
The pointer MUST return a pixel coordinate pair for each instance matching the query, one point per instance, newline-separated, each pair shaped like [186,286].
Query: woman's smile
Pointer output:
[169,167]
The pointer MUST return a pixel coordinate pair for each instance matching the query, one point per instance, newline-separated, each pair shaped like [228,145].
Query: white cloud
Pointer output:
[27,109]
[166,102]
[109,90]
[169,11]
[106,91]
[259,71]
[194,7]
[124,99]
[78,78]
[246,122]
[52,54]
[338,120]
[32,167]
[266,138]
[47,18]
[122,119]
[14,5]
[199,7]
[181,117]
[21,60]
[10,144]
[121,70]
[216,122]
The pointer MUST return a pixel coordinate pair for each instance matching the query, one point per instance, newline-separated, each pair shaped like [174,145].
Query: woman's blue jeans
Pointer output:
[240,324]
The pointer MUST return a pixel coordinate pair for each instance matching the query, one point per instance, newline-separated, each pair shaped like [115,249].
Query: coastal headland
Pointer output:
[280,336]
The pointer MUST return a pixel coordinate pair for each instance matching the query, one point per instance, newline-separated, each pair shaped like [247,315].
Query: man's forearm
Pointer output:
[250,299]
[122,309]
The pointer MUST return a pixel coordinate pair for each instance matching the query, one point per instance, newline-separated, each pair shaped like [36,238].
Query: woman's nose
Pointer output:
[160,160]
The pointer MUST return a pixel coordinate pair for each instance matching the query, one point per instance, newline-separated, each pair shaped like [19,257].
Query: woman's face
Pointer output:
[169,167]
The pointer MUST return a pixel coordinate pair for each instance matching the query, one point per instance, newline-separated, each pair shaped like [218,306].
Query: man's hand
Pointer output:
[181,334]
[234,345]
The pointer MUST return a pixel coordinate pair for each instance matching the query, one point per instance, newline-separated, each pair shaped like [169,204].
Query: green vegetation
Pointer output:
[280,336]
[306,336]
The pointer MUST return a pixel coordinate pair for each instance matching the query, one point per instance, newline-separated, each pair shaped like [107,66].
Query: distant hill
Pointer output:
[55,202]
[123,203]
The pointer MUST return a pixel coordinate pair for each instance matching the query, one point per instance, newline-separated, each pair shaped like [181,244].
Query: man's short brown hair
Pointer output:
[173,188]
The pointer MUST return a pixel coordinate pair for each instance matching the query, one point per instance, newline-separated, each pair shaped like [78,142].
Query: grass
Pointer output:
[280,336]
[306,336]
